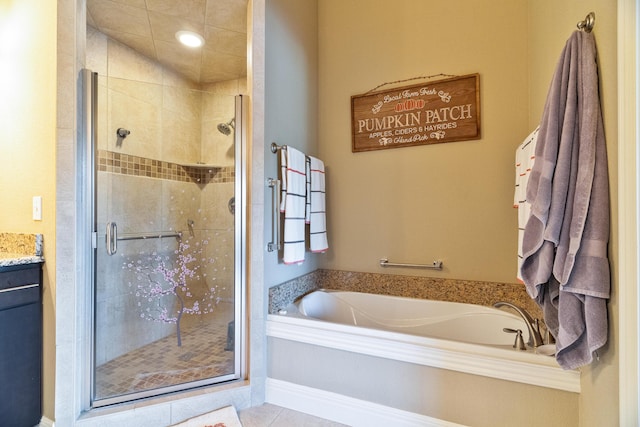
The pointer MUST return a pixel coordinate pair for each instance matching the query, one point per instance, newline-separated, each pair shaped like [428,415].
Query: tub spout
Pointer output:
[535,339]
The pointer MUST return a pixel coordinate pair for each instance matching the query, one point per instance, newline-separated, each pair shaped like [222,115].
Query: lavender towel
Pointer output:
[565,266]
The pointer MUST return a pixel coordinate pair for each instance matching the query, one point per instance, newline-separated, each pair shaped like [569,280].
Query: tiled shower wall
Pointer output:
[173,167]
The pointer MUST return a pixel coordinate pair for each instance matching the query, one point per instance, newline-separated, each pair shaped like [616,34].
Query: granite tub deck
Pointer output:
[19,248]
[453,290]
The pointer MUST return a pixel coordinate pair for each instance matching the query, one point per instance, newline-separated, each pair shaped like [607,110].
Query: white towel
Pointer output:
[283,178]
[307,212]
[317,213]
[293,205]
[525,158]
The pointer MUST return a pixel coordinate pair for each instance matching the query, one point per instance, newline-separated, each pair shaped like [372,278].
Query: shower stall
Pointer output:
[165,180]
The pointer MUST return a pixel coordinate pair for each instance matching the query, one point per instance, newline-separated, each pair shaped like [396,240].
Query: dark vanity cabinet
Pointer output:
[20,345]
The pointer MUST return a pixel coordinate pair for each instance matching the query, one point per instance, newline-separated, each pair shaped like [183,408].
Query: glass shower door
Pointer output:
[168,240]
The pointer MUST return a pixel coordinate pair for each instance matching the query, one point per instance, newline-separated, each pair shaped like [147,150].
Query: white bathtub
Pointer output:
[461,337]
[436,319]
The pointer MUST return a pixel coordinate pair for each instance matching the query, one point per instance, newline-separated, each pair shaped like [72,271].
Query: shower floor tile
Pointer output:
[162,363]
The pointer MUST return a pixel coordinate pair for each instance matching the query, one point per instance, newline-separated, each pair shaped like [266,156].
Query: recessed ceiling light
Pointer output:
[189,38]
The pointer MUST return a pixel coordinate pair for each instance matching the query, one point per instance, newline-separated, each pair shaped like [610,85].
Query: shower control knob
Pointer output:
[122,132]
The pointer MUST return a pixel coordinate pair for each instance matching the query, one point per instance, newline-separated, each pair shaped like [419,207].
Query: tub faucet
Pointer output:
[535,339]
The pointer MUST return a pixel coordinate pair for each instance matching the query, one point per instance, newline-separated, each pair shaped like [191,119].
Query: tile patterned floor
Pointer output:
[162,363]
[268,415]
[202,355]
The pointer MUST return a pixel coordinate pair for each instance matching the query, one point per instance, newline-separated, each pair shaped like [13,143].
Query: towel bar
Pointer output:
[437,265]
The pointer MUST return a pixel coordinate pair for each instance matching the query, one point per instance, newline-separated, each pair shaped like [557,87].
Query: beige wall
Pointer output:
[453,201]
[550,24]
[27,148]
[291,107]
[450,201]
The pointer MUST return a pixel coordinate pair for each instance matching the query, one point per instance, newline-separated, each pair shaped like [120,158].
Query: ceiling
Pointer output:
[149,27]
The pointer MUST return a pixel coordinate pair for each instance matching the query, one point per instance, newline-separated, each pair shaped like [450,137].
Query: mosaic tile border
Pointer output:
[127,164]
[454,290]
[282,295]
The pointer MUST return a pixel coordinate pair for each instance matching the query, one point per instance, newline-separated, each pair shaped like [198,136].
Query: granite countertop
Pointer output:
[19,249]
[8,259]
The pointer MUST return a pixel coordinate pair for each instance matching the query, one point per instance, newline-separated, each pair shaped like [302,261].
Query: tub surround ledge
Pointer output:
[524,367]
[434,288]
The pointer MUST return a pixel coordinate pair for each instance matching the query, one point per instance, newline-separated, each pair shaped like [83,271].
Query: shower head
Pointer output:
[225,128]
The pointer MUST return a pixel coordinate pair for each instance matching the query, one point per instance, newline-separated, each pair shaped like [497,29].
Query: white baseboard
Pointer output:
[45,422]
[344,409]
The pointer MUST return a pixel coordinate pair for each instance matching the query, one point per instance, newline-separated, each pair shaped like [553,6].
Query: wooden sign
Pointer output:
[429,113]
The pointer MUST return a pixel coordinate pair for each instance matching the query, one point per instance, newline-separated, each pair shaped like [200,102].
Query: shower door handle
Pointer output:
[111,238]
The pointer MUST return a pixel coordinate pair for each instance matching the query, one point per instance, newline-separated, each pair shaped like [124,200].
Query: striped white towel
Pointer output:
[525,158]
[293,205]
[307,211]
[317,210]
[283,178]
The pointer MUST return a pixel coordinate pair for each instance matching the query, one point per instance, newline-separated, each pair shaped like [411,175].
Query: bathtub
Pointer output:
[460,337]
[427,318]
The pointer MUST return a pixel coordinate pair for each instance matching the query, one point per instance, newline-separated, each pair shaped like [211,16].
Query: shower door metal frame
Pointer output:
[88,245]
[86,238]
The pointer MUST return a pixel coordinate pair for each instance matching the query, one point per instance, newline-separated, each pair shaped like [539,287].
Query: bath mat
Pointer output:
[225,417]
